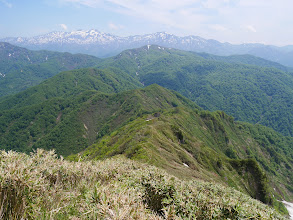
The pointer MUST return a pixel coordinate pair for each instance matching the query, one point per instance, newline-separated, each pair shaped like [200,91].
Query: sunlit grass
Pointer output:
[41,186]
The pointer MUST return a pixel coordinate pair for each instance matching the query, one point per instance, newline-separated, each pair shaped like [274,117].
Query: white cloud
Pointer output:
[6,3]
[115,27]
[258,3]
[250,28]
[218,27]
[226,20]
[89,3]
[184,14]
[214,4]
[63,26]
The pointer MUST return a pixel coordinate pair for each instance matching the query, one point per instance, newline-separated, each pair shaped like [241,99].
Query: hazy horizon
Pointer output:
[234,21]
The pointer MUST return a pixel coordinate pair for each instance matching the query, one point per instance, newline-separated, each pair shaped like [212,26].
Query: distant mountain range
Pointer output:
[102,44]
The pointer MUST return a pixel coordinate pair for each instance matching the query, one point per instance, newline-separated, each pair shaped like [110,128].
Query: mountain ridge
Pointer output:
[104,45]
[248,92]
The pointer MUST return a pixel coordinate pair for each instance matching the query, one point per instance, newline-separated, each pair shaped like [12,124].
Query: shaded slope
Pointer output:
[249,93]
[69,124]
[21,68]
[71,83]
[28,117]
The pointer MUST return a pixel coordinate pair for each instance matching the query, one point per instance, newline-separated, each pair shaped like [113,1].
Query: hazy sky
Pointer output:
[234,21]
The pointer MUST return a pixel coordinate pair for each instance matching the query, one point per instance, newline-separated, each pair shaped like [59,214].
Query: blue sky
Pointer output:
[234,21]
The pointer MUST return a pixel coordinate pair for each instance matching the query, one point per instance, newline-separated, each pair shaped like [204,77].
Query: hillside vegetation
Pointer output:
[154,125]
[68,113]
[257,94]
[249,88]
[40,186]
[69,84]
[93,114]
[189,142]
[50,111]
[73,123]
[21,68]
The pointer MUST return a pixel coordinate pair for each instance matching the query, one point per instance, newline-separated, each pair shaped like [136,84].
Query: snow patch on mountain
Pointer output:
[289,207]
[59,37]
[96,37]
[101,44]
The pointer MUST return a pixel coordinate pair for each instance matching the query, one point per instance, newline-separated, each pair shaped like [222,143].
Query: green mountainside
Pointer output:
[71,83]
[93,114]
[71,113]
[249,88]
[35,114]
[21,68]
[249,93]
[187,141]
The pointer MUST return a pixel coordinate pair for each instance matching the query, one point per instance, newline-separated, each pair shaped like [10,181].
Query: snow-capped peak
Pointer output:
[97,43]
[74,37]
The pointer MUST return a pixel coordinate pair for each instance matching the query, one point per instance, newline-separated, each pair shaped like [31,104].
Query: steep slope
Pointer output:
[248,92]
[50,110]
[104,45]
[210,146]
[21,68]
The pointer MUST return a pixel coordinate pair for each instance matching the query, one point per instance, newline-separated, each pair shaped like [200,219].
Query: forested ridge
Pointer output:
[253,93]
[21,68]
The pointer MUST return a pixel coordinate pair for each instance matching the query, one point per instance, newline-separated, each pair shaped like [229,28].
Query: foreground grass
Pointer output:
[41,186]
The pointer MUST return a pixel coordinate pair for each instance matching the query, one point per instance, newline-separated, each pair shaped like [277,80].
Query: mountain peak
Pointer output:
[141,51]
